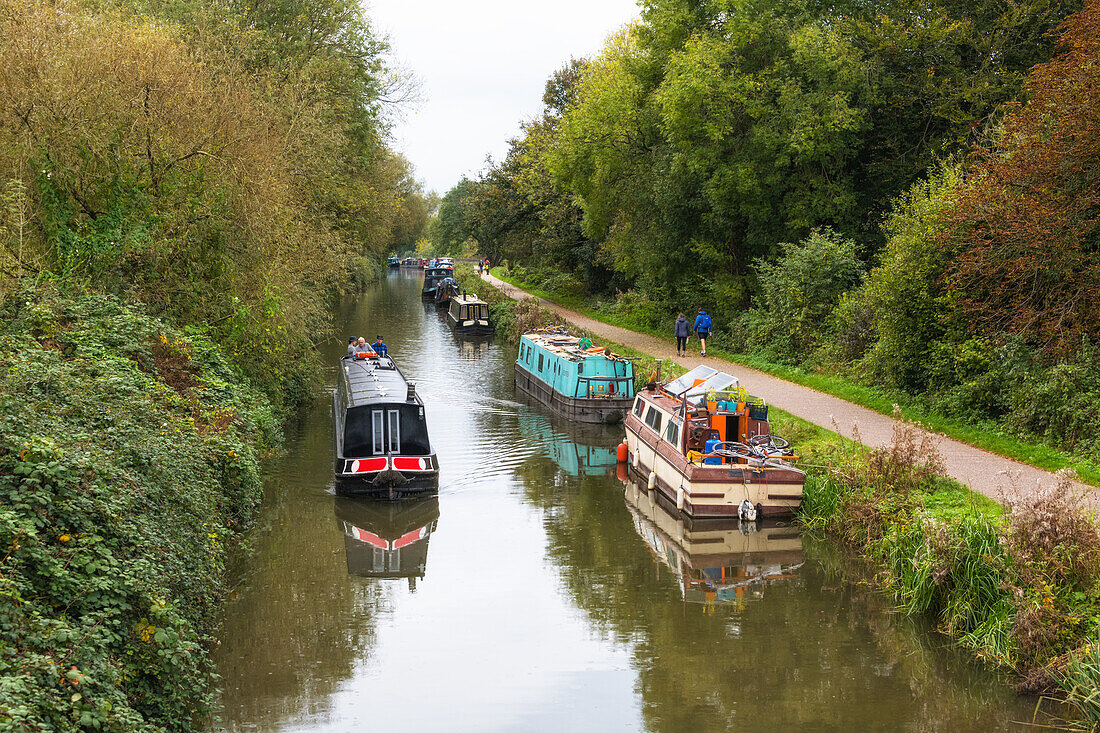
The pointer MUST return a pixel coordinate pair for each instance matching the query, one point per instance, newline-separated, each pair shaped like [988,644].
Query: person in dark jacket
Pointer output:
[681,330]
[702,328]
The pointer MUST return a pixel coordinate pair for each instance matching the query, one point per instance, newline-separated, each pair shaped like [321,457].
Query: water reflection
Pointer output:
[715,560]
[578,449]
[387,539]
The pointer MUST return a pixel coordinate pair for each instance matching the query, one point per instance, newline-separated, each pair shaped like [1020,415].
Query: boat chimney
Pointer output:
[412,392]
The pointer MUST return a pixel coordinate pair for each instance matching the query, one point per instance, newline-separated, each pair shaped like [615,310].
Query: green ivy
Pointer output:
[128,463]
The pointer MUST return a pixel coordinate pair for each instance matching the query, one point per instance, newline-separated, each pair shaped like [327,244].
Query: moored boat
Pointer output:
[707,447]
[469,314]
[447,289]
[579,381]
[432,277]
[381,435]
[394,261]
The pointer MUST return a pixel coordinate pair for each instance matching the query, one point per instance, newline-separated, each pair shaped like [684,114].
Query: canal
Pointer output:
[541,593]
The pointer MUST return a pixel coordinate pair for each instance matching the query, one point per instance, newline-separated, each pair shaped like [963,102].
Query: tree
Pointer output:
[1024,236]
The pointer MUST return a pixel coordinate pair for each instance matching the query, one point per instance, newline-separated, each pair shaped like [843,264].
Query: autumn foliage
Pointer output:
[1025,227]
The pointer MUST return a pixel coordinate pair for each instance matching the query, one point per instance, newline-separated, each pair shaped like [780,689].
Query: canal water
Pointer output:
[540,592]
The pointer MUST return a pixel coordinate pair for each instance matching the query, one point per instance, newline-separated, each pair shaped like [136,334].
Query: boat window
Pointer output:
[672,432]
[580,367]
[653,418]
[639,405]
[540,362]
[395,432]
[377,432]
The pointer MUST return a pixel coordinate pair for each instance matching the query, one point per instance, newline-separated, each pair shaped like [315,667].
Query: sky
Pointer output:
[482,66]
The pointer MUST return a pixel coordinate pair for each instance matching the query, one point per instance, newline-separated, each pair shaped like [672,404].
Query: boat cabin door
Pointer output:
[386,431]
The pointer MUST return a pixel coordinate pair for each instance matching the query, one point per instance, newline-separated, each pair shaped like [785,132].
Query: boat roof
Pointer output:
[700,380]
[373,380]
[468,300]
[564,345]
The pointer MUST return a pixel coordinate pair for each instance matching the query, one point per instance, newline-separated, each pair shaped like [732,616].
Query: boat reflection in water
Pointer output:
[387,539]
[716,560]
[578,449]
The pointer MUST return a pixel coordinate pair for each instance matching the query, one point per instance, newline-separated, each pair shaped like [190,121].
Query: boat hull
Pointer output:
[388,483]
[601,410]
[475,327]
[698,490]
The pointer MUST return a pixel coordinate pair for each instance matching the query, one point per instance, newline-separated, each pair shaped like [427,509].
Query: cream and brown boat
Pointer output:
[707,447]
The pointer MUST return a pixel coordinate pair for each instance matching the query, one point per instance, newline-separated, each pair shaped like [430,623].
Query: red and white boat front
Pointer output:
[707,447]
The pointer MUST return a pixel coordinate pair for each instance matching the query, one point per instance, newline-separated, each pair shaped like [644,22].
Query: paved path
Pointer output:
[984,472]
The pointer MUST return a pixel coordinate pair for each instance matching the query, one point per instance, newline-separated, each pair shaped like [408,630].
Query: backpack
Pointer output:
[704,322]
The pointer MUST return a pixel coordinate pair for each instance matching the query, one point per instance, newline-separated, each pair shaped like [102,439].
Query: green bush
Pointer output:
[128,463]
[1061,403]
[904,292]
[793,312]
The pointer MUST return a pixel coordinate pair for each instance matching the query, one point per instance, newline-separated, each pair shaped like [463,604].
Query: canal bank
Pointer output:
[550,596]
[988,474]
[1020,588]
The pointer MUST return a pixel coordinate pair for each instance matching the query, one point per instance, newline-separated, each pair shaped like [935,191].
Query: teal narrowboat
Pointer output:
[575,379]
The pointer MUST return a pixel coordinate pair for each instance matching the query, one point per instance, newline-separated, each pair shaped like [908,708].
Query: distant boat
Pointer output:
[585,384]
[432,277]
[381,436]
[469,315]
[394,262]
[447,289]
[707,447]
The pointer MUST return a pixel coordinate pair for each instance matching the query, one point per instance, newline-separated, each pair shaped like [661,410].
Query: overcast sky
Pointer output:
[482,66]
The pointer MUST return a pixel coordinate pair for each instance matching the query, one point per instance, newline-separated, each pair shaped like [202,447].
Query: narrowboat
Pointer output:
[432,277]
[579,381]
[716,560]
[707,446]
[447,289]
[393,262]
[381,436]
[469,315]
[410,262]
[387,540]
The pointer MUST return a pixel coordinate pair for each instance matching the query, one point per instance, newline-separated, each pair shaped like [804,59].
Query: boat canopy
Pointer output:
[700,380]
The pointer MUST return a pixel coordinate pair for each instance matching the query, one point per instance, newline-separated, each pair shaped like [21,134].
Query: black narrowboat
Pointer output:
[381,436]
[432,277]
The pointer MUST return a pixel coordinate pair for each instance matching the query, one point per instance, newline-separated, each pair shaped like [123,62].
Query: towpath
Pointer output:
[984,472]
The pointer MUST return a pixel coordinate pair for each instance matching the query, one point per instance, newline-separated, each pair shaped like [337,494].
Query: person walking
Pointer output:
[702,329]
[681,331]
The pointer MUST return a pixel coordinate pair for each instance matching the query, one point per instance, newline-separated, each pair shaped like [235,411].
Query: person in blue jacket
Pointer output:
[379,347]
[702,329]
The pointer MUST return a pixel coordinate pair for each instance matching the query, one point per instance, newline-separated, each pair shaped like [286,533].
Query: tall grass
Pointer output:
[1020,588]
